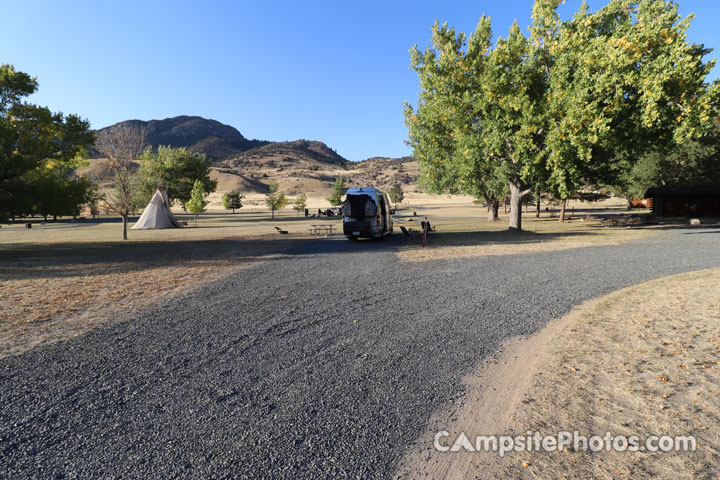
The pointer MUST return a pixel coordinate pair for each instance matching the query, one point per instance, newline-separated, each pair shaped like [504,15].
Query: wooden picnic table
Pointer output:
[321,229]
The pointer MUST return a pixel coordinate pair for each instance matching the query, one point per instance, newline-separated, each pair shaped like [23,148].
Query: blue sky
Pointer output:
[333,71]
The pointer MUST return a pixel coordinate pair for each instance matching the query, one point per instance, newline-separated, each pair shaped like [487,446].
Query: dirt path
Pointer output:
[644,360]
[493,393]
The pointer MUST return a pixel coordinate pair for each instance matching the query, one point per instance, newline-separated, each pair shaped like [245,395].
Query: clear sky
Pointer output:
[335,71]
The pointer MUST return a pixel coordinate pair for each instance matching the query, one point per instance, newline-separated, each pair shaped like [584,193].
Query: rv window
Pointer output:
[359,206]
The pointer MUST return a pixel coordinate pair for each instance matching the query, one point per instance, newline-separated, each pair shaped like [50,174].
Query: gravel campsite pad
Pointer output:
[326,362]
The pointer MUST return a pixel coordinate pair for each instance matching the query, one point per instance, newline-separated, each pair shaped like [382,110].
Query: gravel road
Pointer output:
[325,363]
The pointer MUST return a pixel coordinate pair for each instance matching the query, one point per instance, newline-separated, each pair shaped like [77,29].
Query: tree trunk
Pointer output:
[272,210]
[493,210]
[563,204]
[516,197]
[537,208]
[124,222]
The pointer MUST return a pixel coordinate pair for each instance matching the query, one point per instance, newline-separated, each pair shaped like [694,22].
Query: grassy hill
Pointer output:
[249,166]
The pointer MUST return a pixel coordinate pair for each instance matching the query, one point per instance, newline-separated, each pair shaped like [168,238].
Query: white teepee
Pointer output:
[157,214]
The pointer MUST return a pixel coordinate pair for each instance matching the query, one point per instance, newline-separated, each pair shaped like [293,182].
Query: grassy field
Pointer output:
[633,363]
[462,230]
[210,226]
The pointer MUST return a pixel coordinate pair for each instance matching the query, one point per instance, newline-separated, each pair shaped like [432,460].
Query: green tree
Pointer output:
[232,200]
[614,97]
[56,193]
[474,130]
[32,137]
[396,194]
[695,162]
[174,170]
[558,109]
[338,191]
[275,199]
[93,200]
[300,203]
[196,203]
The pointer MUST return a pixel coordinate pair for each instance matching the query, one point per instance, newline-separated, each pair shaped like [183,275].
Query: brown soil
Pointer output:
[493,392]
[641,361]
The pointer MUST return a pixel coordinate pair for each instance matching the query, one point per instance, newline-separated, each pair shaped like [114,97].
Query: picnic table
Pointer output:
[321,229]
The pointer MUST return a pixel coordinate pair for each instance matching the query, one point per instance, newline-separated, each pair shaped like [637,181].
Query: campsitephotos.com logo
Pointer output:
[562,441]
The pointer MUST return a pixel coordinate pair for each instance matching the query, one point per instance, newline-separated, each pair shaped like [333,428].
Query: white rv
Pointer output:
[366,214]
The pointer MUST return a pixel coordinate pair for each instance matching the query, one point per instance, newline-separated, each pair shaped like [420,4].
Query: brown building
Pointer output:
[693,201]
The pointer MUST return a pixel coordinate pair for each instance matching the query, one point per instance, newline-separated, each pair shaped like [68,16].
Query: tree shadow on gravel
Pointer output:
[24,261]
[397,241]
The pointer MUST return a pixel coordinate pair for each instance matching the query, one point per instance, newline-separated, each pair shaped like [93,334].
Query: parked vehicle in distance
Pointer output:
[366,214]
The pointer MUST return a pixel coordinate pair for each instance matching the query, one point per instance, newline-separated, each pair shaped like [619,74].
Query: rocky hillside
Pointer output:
[300,166]
[311,168]
[384,172]
[217,140]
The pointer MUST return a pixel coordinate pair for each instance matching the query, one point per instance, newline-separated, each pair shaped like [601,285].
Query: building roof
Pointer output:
[685,190]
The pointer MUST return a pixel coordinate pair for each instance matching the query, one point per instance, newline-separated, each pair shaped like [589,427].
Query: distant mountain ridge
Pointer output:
[217,140]
[250,166]
[310,150]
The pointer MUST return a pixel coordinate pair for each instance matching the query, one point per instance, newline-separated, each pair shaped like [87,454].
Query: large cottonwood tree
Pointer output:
[561,107]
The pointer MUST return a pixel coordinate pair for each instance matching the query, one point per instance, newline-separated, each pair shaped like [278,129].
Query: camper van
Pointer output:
[366,214]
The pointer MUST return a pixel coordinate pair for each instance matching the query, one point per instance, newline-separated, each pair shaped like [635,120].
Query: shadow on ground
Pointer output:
[69,259]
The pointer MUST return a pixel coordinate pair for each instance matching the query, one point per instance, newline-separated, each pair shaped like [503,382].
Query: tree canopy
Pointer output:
[574,102]
[174,170]
[55,193]
[197,203]
[695,162]
[232,200]
[275,199]
[338,191]
[396,194]
[38,148]
[300,203]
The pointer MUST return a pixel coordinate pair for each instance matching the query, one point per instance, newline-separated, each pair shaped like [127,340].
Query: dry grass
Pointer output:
[61,280]
[37,311]
[210,226]
[460,236]
[642,361]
